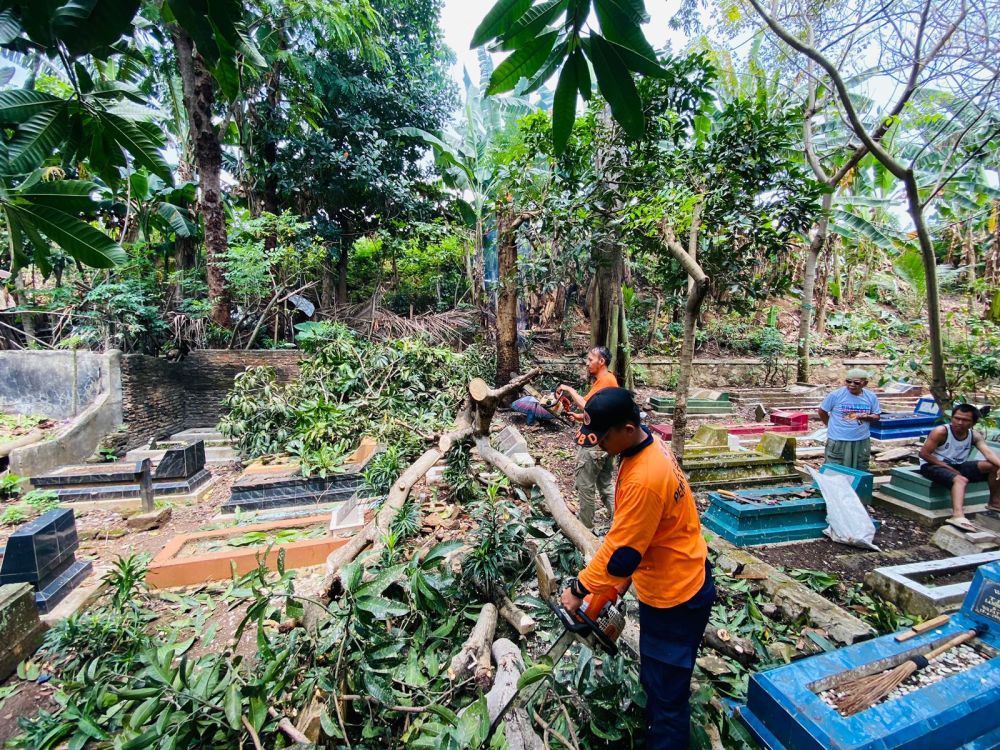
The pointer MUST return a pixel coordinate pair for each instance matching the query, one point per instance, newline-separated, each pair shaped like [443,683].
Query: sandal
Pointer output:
[963,524]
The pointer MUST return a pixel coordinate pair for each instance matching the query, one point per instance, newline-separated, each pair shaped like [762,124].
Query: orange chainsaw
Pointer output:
[557,404]
[597,624]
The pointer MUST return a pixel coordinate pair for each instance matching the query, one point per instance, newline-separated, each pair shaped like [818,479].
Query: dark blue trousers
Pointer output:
[668,643]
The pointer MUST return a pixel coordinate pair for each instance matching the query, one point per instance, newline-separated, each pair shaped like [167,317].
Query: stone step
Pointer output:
[208,434]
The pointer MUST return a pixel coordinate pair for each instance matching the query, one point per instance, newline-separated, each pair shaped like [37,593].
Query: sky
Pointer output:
[459,19]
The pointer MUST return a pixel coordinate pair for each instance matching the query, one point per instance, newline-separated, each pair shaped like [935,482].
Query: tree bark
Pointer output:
[473,659]
[199,100]
[517,725]
[508,356]
[342,260]
[809,290]
[992,274]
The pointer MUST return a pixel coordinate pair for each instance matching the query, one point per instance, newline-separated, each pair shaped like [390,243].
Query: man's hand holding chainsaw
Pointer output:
[655,538]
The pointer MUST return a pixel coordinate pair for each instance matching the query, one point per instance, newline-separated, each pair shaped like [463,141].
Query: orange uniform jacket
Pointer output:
[655,536]
[606,380]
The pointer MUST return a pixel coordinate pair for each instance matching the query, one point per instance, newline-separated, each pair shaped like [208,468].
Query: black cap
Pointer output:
[607,408]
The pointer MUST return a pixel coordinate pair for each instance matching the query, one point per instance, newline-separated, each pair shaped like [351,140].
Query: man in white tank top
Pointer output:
[944,459]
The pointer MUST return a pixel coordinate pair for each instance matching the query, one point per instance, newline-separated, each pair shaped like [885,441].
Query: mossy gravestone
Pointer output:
[20,629]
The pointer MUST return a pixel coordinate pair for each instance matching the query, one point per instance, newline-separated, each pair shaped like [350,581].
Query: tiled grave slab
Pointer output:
[784,710]
[781,421]
[41,553]
[775,515]
[21,631]
[773,462]
[281,484]
[911,494]
[168,570]
[181,462]
[913,589]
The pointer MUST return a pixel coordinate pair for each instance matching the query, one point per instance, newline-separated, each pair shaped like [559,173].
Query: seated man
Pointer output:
[944,459]
[847,414]
[594,467]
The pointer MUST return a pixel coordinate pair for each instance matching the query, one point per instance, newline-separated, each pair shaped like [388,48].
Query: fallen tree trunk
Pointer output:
[740,649]
[518,730]
[487,399]
[473,660]
[521,621]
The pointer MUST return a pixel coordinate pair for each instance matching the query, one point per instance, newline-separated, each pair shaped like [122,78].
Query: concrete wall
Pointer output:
[734,373]
[59,384]
[161,397]
[79,439]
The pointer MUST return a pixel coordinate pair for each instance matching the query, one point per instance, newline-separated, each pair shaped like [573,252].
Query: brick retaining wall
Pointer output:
[160,397]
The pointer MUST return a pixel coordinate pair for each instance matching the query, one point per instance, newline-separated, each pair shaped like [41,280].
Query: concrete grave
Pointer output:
[21,631]
[781,421]
[909,493]
[512,444]
[280,484]
[896,426]
[776,514]
[928,588]
[179,476]
[41,553]
[772,462]
[663,406]
[955,708]
[177,564]
[218,448]
[958,542]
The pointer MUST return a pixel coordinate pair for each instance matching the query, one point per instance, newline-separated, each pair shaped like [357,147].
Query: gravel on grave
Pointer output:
[950,663]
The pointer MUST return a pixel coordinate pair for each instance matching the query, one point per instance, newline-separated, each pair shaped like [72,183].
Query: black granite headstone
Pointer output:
[183,462]
[41,553]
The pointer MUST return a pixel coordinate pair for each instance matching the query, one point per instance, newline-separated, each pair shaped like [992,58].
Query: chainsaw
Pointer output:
[555,403]
[597,624]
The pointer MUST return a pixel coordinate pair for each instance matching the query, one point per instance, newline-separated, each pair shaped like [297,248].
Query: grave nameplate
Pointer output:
[41,553]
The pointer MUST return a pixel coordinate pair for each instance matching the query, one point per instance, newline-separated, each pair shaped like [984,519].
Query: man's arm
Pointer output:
[824,416]
[980,442]
[637,516]
[577,399]
[876,413]
[934,441]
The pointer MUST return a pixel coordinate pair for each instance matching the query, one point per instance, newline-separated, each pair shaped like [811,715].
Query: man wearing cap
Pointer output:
[847,413]
[655,538]
[593,466]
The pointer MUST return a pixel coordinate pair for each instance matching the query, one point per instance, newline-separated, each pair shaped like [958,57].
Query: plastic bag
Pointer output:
[849,520]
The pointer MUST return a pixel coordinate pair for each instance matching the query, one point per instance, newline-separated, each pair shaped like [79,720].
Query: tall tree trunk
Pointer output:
[607,307]
[185,248]
[199,99]
[992,275]
[342,260]
[686,363]
[939,379]
[508,357]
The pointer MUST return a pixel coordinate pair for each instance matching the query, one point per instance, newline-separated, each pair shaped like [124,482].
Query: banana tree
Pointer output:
[464,157]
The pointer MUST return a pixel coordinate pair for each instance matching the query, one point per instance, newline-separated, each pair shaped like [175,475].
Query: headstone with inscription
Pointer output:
[949,703]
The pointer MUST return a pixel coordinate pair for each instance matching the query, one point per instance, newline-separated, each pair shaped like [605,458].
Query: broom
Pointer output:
[865,692]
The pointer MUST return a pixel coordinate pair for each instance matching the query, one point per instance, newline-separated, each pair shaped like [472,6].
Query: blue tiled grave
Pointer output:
[777,514]
[785,710]
[901,425]
[181,472]
[41,553]
[911,494]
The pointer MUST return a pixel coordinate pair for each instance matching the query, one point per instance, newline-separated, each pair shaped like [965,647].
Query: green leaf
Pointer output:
[379,688]
[233,706]
[564,106]
[910,267]
[856,229]
[37,138]
[617,86]
[620,26]
[380,607]
[533,674]
[71,196]
[10,29]
[177,219]
[133,139]
[523,63]
[445,713]
[531,23]
[79,239]
[501,17]
[381,582]
[582,73]
[441,550]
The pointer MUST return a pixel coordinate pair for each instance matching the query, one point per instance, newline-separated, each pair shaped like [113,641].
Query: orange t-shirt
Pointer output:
[655,532]
[606,379]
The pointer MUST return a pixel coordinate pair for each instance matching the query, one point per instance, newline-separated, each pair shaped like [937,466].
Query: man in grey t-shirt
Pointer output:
[847,414]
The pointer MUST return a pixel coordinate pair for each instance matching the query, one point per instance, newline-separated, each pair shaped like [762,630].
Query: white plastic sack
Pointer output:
[848,519]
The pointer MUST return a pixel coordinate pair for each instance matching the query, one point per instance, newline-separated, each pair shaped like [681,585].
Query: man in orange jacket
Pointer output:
[594,467]
[656,539]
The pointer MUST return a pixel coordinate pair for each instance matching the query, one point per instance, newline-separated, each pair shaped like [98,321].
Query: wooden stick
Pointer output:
[922,628]
[522,622]
[474,656]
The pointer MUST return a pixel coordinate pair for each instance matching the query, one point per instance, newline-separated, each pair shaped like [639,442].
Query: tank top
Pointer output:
[953,451]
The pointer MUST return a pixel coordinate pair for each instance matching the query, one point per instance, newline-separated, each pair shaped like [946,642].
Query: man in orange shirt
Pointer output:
[656,539]
[593,466]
